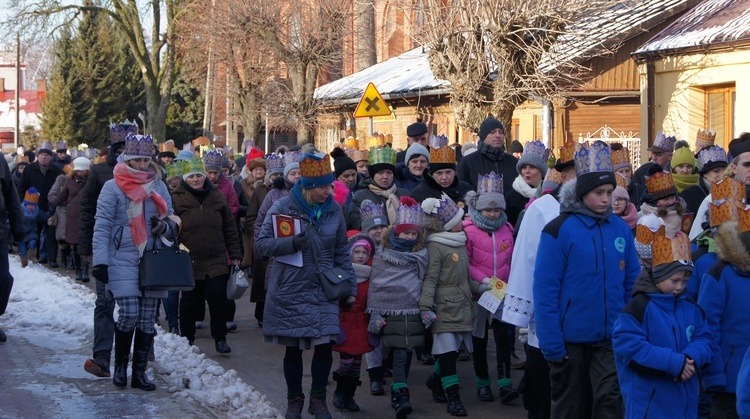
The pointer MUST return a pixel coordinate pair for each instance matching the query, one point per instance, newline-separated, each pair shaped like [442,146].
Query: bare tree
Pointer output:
[498,53]
[365,23]
[154,51]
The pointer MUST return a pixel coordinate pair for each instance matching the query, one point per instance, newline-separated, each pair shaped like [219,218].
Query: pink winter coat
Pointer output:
[227,189]
[489,253]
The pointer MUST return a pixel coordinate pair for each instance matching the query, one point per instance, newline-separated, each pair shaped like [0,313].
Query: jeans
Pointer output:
[24,247]
[104,323]
[172,308]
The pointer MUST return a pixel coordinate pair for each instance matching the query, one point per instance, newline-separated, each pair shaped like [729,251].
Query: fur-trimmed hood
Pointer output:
[386,240]
[567,197]
[730,248]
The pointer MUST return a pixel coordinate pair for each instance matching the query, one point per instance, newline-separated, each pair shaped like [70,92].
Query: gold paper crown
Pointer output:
[22,159]
[727,210]
[644,235]
[443,155]
[729,189]
[744,220]
[620,156]
[388,139]
[666,250]
[351,142]
[310,167]
[568,151]
[201,141]
[553,176]
[167,146]
[376,141]
[660,185]
[621,181]
[357,155]
[705,138]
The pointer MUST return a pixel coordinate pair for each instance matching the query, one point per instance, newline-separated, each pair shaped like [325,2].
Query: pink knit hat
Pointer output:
[620,192]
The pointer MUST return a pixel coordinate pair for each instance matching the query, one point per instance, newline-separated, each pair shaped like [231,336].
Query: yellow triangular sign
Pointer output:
[372,104]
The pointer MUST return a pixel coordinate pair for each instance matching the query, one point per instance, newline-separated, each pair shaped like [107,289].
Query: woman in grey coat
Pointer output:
[297,314]
[132,209]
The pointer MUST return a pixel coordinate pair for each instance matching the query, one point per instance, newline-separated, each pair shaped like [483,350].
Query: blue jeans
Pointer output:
[25,246]
[172,308]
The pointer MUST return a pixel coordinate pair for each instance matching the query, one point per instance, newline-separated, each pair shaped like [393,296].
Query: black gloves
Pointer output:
[101,272]
[300,241]
[158,226]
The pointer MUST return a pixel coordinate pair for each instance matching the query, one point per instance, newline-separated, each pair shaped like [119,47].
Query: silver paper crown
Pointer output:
[491,182]
[74,154]
[90,153]
[536,149]
[443,211]
[409,214]
[61,145]
[293,157]
[212,158]
[46,145]
[118,132]
[139,145]
[274,162]
[597,157]
[370,210]
[664,142]
[437,141]
[713,154]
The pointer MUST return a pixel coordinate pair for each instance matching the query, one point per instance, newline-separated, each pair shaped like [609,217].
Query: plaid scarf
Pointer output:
[492,153]
[139,186]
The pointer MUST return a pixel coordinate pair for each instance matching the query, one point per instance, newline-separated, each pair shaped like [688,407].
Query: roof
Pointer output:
[712,22]
[30,107]
[408,73]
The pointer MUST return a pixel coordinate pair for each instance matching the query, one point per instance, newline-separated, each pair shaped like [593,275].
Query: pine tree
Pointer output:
[185,114]
[58,121]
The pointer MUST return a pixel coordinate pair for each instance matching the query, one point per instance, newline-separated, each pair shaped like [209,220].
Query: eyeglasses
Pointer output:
[621,200]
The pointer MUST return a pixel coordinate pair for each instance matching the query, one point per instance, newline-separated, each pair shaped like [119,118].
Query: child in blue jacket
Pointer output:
[32,215]
[661,338]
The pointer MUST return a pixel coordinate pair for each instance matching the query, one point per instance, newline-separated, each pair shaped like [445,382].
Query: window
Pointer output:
[515,130]
[718,112]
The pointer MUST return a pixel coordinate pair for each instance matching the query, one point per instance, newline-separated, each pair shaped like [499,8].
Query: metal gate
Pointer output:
[609,136]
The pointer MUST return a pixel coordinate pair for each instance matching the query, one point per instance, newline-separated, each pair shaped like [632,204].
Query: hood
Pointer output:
[567,198]
[282,183]
[386,240]
[644,284]
[111,156]
[432,183]
[360,236]
[729,246]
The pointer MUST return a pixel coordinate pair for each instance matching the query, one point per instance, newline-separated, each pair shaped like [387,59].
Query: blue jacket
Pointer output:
[583,277]
[703,260]
[652,337]
[31,218]
[405,179]
[743,388]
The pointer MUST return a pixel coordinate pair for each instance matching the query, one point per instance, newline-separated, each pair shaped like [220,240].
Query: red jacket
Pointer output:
[489,253]
[354,320]
[227,189]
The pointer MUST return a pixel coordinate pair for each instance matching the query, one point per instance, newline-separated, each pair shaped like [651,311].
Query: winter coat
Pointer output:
[226,187]
[651,339]
[242,199]
[583,277]
[34,178]
[723,296]
[31,218]
[405,179]
[515,204]
[354,320]
[743,387]
[280,188]
[477,164]
[70,197]
[703,260]
[61,209]
[446,289]
[694,195]
[11,214]
[258,285]
[363,194]
[489,253]
[635,192]
[61,163]
[112,242]
[248,228]
[208,230]
[296,305]
[99,174]
[429,188]
[639,178]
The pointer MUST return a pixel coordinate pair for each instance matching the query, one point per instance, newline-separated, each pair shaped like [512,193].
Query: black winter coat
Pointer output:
[10,204]
[695,195]
[429,188]
[475,164]
[33,177]
[98,175]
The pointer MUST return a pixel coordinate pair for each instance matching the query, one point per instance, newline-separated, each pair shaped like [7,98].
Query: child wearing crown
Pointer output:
[489,245]
[398,271]
[661,338]
[661,199]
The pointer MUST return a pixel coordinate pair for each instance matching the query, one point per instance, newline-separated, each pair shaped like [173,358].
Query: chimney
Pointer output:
[41,85]
[2,84]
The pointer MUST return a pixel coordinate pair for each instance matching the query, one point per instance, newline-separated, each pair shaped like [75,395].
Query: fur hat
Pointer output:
[254,163]
[442,214]
[372,215]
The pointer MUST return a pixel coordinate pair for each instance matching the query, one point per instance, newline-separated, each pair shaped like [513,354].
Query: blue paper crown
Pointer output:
[118,132]
[491,182]
[370,210]
[409,214]
[46,145]
[664,142]
[139,145]
[274,162]
[597,157]
[444,211]
[90,153]
[247,145]
[437,141]
[536,149]
[212,158]
[293,157]
[61,145]
[713,154]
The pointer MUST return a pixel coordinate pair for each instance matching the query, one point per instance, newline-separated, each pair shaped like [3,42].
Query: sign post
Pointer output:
[372,104]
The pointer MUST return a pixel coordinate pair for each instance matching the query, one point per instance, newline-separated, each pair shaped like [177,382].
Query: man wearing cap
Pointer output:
[415,133]
[661,154]
[41,175]
[490,157]
[61,158]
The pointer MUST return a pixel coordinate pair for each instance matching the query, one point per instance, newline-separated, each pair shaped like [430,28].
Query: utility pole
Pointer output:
[17,131]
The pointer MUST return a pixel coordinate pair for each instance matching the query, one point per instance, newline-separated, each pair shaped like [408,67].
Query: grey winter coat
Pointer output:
[296,305]
[112,227]
[61,210]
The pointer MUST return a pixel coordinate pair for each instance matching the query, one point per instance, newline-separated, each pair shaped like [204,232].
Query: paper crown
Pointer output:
[621,181]
[139,145]
[660,185]
[705,138]
[247,145]
[292,157]
[664,142]
[167,146]
[376,141]
[444,154]
[193,165]
[176,168]
[713,154]
[406,214]
[728,198]
[351,142]
[200,141]
[372,215]
[597,157]
[74,154]
[383,155]
[315,166]
[553,176]
[620,158]
[90,153]
[644,235]
[357,155]
[46,145]
[744,223]
[568,151]
[440,213]
[212,159]
[61,145]
[22,159]
[491,182]
[274,162]
[118,132]
[666,250]
[536,149]
[31,196]
[437,141]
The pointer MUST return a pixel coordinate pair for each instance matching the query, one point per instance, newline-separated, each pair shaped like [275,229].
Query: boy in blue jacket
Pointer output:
[661,338]
[582,280]
[31,216]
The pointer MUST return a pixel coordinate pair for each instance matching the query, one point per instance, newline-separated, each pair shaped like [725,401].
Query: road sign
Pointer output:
[372,104]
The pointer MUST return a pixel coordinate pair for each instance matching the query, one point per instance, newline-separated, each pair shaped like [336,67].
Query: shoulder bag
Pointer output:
[168,268]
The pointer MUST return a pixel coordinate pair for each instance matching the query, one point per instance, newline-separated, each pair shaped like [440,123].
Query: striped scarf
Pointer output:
[138,186]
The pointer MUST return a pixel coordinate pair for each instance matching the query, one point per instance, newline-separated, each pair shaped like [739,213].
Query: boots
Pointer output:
[343,396]
[123,340]
[433,383]
[294,405]
[351,405]
[24,262]
[455,407]
[64,258]
[84,269]
[376,381]
[141,348]
[401,403]
[319,408]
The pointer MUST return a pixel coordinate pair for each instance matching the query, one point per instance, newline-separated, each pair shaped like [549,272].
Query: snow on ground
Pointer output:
[47,308]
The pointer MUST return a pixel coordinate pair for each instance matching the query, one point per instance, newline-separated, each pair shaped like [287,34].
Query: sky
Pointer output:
[47,307]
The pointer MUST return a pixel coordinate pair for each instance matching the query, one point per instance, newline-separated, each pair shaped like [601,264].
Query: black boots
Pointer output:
[401,403]
[433,383]
[455,407]
[141,348]
[65,258]
[84,268]
[343,396]
[123,340]
[377,375]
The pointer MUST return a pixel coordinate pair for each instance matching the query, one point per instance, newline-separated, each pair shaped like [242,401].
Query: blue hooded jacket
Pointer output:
[743,388]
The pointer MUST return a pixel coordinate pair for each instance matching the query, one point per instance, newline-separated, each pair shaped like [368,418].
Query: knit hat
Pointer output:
[670,256]
[31,197]
[185,155]
[408,215]
[516,147]
[81,163]
[372,215]
[360,243]
[61,146]
[291,161]
[682,156]
[441,214]
[567,154]
[274,164]
[45,147]
[593,168]
[383,158]
[193,166]
[659,184]
[489,192]
[488,125]
[138,147]
[649,227]
[662,143]
[711,158]
[415,129]
[341,162]
[212,160]
[535,154]
[621,193]
[620,157]
[415,150]
[253,153]
[315,171]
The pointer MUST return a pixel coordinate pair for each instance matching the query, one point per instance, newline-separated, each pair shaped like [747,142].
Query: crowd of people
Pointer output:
[627,284]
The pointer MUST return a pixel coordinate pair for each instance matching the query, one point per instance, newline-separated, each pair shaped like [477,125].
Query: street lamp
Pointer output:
[143,119]
[267,152]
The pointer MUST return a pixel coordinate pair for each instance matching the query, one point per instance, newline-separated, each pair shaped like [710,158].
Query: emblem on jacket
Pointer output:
[620,244]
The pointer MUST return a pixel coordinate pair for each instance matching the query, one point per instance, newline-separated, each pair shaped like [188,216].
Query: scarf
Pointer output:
[363,272]
[396,282]
[485,224]
[391,200]
[314,211]
[683,182]
[399,244]
[632,217]
[138,186]
[524,189]
[492,153]
[448,238]
[199,194]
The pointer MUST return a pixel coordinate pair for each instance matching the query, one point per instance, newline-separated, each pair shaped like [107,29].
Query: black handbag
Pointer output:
[333,280]
[166,269]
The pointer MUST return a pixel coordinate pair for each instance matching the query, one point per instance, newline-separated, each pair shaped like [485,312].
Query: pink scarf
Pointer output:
[139,186]
[632,217]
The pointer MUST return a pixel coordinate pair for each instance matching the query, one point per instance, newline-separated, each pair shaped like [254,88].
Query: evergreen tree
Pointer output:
[58,116]
[185,114]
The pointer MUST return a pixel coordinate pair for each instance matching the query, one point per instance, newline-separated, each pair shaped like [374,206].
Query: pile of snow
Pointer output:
[44,301]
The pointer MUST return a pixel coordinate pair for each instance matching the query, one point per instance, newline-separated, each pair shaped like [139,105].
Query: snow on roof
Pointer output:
[408,72]
[710,22]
